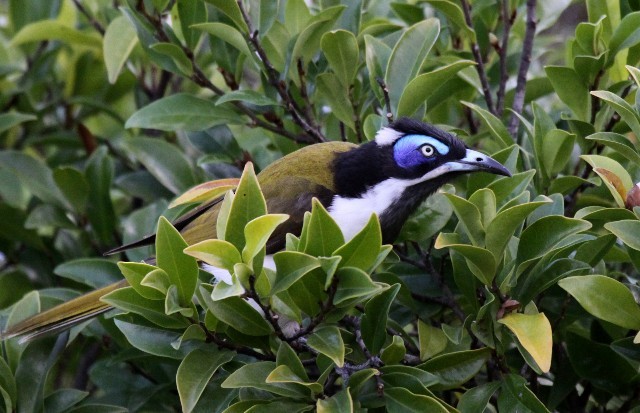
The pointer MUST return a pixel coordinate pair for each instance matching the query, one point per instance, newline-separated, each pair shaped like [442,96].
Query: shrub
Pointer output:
[504,294]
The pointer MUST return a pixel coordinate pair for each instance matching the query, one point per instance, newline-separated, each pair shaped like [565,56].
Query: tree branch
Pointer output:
[475,50]
[525,61]
[507,21]
[274,79]
[96,24]
[387,101]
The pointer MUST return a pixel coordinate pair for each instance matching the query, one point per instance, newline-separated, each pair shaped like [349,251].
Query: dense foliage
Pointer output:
[502,294]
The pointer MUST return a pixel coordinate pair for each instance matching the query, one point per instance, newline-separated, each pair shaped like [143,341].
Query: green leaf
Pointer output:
[215,252]
[627,230]
[95,272]
[399,400]
[323,234]
[455,15]
[618,143]
[240,315]
[516,397]
[556,150]
[247,96]
[135,273]
[455,369]
[340,47]
[34,175]
[337,95]
[232,10]
[291,266]
[374,321]
[481,262]
[257,232]
[422,86]
[7,385]
[363,249]
[432,340]
[99,171]
[408,56]
[533,331]
[355,285]
[190,13]
[31,374]
[254,375]
[62,400]
[248,204]
[505,224]
[571,90]
[538,281]
[338,403]
[394,353]
[181,268]
[11,119]
[228,34]
[546,233]
[47,30]
[283,374]
[308,42]
[625,35]
[628,114]
[328,341]
[177,55]
[119,40]
[605,298]
[181,111]
[469,217]
[74,186]
[496,127]
[194,374]
[476,399]
[165,162]
[287,357]
[152,340]
[129,300]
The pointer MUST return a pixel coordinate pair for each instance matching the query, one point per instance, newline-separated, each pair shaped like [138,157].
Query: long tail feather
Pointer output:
[63,316]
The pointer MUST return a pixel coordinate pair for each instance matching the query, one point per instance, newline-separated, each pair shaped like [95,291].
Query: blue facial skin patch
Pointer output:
[406,150]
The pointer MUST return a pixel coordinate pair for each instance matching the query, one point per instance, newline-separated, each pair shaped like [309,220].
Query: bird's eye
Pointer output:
[427,150]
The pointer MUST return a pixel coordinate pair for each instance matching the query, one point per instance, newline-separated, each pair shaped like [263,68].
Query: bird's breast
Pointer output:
[352,213]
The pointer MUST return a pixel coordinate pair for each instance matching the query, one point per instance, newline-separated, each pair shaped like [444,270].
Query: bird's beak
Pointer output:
[476,161]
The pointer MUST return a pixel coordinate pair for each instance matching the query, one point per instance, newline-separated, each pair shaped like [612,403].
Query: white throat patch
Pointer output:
[352,214]
[387,136]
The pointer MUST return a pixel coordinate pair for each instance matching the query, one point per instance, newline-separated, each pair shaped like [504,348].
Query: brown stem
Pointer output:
[387,101]
[525,61]
[507,17]
[475,50]
[96,24]
[274,79]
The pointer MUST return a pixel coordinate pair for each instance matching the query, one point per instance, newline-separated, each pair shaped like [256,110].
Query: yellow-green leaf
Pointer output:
[533,331]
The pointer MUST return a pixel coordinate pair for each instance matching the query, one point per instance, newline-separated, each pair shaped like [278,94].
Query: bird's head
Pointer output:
[417,152]
[407,161]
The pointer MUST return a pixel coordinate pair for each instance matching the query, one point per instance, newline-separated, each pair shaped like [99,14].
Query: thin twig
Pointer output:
[308,106]
[274,79]
[325,307]
[266,309]
[525,61]
[96,24]
[475,50]
[212,337]
[387,101]
[507,20]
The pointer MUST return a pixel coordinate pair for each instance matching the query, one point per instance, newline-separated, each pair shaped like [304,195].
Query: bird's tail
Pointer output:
[62,316]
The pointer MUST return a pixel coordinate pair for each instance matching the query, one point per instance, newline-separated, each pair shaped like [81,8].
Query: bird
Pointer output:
[391,175]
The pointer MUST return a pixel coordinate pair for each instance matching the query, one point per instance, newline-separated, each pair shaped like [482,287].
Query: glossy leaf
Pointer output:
[432,340]
[338,403]
[328,341]
[407,57]
[181,112]
[228,34]
[194,373]
[516,396]
[496,127]
[129,300]
[454,369]
[181,268]
[374,320]
[340,47]
[152,340]
[362,250]
[254,375]
[292,266]
[257,232]
[571,90]
[627,231]
[605,298]
[624,109]
[469,217]
[241,315]
[402,400]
